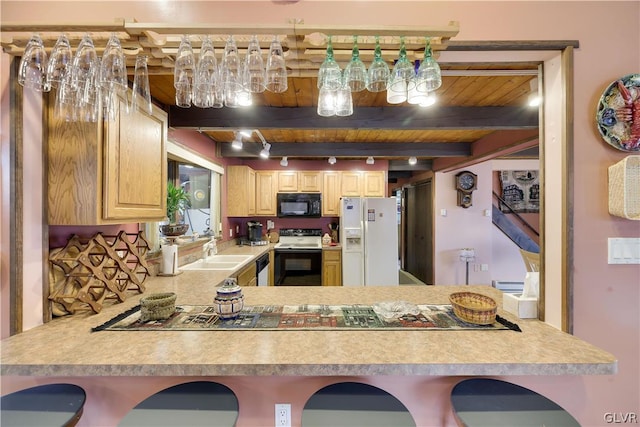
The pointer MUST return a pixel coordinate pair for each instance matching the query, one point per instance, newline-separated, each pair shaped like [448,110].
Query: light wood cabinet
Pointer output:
[247,276]
[241,191]
[331,267]
[331,194]
[108,172]
[299,181]
[287,182]
[252,192]
[351,184]
[310,181]
[266,189]
[374,184]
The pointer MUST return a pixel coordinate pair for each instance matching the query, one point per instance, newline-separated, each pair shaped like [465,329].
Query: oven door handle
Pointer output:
[297,250]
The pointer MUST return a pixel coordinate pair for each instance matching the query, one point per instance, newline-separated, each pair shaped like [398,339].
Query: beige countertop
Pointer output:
[67,347]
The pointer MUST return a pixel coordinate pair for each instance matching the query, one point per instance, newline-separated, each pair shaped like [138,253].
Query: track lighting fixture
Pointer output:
[412,160]
[246,133]
[237,141]
[370,160]
[284,162]
[264,153]
[332,160]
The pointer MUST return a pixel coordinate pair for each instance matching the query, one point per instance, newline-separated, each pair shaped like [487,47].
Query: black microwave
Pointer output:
[299,205]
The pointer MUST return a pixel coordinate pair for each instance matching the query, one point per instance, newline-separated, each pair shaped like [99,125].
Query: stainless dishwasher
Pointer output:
[262,270]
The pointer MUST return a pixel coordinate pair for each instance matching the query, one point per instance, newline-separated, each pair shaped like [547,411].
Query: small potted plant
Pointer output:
[177,201]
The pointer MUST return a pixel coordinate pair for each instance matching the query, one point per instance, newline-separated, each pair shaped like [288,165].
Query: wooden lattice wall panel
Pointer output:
[86,272]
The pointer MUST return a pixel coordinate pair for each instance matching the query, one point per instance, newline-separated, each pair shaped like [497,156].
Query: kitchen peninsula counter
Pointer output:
[67,347]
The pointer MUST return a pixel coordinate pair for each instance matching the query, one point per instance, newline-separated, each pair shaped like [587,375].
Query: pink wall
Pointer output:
[605,297]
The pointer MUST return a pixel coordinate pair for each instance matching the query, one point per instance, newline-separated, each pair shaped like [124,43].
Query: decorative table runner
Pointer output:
[301,317]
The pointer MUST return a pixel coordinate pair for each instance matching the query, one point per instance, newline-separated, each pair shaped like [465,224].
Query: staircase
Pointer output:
[513,231]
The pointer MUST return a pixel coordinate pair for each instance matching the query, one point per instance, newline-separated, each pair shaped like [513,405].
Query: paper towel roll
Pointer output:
[169,259]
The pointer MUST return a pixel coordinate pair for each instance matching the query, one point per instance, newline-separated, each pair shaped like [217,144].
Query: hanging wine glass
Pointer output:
[329,74]
[230,73]
[276,71]
[65,106]
[327,102]
[344,101]
[59,61]
[33,66]
[84,80]
[355,73]
[400,82]
[428,76]
[243,95]
[378,73]
[141,93]
[113,76]
[183,73]
[206,76]
[254,77]
[84,65]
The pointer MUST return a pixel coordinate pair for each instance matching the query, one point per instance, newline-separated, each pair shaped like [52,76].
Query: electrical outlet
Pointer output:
[283,415]
[231,232]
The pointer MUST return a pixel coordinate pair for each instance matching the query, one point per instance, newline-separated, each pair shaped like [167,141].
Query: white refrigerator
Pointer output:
[369,238]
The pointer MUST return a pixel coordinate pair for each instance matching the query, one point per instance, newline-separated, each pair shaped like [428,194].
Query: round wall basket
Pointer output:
[618,115]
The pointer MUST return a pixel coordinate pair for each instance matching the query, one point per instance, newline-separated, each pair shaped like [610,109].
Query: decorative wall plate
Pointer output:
[618,115]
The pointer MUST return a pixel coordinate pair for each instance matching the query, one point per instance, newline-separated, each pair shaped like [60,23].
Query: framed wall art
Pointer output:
[520,190]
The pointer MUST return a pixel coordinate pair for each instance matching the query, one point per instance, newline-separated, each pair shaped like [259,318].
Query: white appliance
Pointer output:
[369,236]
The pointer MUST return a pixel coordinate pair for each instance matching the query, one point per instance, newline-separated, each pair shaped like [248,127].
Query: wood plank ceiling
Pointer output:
[477,101]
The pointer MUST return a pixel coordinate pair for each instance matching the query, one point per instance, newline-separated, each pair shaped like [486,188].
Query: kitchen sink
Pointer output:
[218,262]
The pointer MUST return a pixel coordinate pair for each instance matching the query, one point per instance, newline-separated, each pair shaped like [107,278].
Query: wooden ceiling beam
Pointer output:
[350,149]
[405,118]
[492,146]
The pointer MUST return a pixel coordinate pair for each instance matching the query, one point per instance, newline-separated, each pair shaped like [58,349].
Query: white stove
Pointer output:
[299,239]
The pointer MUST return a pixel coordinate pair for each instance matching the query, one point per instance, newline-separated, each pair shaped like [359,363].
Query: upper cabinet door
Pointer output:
[351,184]
[331,194]
[107,173]
[310,181]
[241,191]
[287,181]
[135,173]
[266,187]
[375,184]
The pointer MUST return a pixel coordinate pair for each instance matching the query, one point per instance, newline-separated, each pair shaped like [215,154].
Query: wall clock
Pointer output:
[466,182]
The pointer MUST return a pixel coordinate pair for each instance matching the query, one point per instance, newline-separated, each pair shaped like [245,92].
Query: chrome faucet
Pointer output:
[209,248]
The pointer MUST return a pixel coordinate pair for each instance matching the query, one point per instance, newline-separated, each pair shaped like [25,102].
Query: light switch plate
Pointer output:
[624,250]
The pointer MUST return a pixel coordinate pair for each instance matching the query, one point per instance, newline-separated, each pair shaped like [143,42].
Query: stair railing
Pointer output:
[511,210]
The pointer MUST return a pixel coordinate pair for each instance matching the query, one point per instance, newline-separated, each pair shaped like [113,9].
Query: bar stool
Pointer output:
[488,402]
[197,403]
[50,405]
[355,404]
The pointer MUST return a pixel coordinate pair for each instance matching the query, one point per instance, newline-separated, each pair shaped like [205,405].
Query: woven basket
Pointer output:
[157,306]
[474,308]
[624,188]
